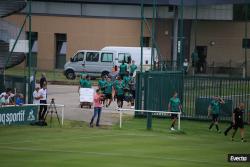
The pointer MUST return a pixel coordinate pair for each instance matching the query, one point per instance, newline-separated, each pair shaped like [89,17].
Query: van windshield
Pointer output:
[124,57]
[78,57]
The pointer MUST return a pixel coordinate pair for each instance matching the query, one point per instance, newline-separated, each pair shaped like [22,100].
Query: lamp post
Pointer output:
[29,57]
[246,26]
[142,31]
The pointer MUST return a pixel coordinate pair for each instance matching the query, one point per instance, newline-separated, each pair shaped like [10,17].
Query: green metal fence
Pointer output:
[154,90]
[198,91]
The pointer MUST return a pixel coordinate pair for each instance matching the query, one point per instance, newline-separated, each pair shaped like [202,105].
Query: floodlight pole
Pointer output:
[195,30]
[29,58]
[246,26]
[180,36]
[142,32]
[153,34]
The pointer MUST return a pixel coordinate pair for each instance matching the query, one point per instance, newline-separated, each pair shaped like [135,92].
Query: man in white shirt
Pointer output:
[36,96]
[43,100]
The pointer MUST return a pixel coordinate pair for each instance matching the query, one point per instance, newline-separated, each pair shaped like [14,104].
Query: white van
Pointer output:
[95,63]
[135,53]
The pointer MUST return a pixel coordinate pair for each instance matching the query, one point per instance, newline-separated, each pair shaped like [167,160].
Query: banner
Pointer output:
[86,95]
[18,115]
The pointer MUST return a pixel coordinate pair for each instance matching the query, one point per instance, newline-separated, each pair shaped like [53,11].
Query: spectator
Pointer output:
[36,96]
[19,99]
[43,80]
[185,66]
[43,100]
[7,97]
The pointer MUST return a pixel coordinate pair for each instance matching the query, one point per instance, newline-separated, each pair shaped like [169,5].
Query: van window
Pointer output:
[92,56]
[107,57]
[78,57]
[124,56]
[121,57]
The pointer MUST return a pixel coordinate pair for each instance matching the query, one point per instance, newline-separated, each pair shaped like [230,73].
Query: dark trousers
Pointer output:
[97,112]
[43,110]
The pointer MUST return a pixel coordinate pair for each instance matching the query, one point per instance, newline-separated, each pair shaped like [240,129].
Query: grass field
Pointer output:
[78,145]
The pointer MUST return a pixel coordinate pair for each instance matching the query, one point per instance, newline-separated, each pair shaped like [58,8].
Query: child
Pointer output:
[19,100]
[97,108]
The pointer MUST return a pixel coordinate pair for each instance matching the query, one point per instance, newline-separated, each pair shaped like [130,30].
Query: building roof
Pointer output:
[8,7]
[159,2]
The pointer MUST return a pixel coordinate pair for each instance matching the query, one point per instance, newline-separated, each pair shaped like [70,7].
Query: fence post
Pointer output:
[149,114]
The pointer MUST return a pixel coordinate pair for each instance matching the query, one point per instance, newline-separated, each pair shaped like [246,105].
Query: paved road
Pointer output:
[68,95]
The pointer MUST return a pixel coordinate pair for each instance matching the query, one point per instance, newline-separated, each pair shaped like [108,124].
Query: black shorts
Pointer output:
[215,117]
[120,97]
[238,124]
[133,93]
[174,116]
[108,96]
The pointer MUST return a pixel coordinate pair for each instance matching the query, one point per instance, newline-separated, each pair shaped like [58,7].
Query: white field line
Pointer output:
[110,154]
[77,138]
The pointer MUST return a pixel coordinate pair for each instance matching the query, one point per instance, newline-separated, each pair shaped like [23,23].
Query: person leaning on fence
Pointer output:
[7,97]
[19,99]
[174,105]
[97,108]
[43,100]
[214,110]
[237,122]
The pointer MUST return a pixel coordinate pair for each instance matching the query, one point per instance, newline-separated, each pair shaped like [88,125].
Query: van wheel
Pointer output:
[70,74]
[105,73]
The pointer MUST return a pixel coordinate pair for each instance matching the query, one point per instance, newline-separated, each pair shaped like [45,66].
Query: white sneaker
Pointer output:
[132,107]
[172,128]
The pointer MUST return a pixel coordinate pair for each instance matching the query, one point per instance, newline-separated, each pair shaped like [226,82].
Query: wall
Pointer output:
[82,33]
[227,36]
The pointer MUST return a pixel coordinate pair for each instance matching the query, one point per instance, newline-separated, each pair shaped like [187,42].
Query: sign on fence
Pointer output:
[18,115]
[86,95]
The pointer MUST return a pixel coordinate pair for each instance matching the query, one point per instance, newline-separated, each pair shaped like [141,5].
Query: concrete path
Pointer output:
[68,95]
